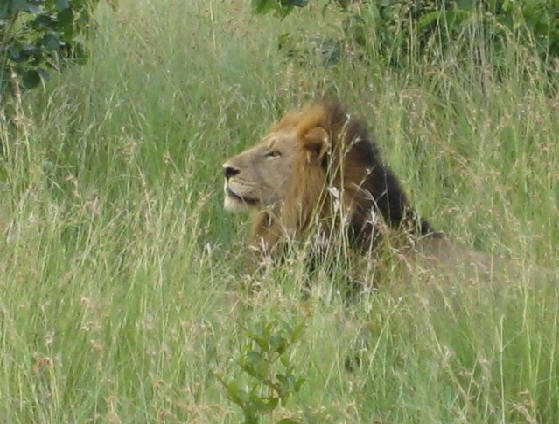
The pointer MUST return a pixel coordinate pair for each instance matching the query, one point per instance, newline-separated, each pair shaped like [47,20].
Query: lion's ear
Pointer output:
[315,142]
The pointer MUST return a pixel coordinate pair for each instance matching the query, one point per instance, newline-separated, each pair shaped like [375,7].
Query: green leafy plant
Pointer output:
[37,36]
[534,22]
[267,361]
[397,28]
[279,7]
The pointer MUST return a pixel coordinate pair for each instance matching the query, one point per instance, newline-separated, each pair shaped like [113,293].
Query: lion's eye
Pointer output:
[273,154]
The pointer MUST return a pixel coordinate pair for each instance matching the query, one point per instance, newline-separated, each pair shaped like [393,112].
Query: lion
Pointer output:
[317,175]
[318,169]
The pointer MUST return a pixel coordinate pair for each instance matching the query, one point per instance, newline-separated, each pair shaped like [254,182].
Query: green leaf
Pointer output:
[278,344]
[51,42]
[62,4]
[44,20]
[299,383]
[254,364]
[263,404]
[284,40]
[237,393]
[264,6]
[65,20]
[259,334]
[288,384]
[14,52]
[287,421]
[25,6]
[30,79]
[7,10]
[296,332]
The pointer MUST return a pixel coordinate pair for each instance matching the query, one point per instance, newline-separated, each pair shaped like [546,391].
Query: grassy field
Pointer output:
[122,284]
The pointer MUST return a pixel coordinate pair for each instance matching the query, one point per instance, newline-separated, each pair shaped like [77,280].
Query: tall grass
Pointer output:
[122,285]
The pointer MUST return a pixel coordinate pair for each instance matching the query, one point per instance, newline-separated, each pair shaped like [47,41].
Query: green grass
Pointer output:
[122,281]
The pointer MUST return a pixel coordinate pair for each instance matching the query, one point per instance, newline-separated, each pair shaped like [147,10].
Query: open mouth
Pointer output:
[247,200]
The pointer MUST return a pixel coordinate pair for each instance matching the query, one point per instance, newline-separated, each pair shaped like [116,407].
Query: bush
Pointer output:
[266,358]
[400,28]
[441,22]
[40,35]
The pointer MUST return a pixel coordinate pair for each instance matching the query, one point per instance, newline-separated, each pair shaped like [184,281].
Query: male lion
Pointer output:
[317,170]
[317,176]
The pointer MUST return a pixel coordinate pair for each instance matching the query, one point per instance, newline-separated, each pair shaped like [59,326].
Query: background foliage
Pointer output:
[423,29]
[38,35]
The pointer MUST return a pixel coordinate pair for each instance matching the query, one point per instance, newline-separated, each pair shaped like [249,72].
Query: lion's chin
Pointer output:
[235,205]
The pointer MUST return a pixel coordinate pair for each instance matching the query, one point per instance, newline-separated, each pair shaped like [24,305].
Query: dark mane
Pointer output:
[350,186]
[356,167]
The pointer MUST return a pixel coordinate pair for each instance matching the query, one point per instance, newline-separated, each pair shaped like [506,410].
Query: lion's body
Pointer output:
[317,176]
[318,169]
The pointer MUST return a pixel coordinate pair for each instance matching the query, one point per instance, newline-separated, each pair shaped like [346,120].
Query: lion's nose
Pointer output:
[230,171]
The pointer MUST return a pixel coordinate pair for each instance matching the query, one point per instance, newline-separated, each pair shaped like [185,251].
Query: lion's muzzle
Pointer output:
[236,198]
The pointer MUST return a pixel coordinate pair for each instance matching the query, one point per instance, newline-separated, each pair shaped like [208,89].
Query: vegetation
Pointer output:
[410,29]
[124,290]
[37,36]
[266,359]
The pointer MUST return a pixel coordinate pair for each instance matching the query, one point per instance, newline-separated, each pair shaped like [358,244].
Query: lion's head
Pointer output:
[263,175]
[311,166]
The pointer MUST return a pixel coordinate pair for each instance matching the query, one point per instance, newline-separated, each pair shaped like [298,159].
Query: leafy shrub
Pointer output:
[40,35]
[400,28]
[266,358]
[535,22]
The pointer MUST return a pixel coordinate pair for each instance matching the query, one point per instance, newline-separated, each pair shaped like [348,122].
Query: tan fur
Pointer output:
[325,178]
[317,173]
